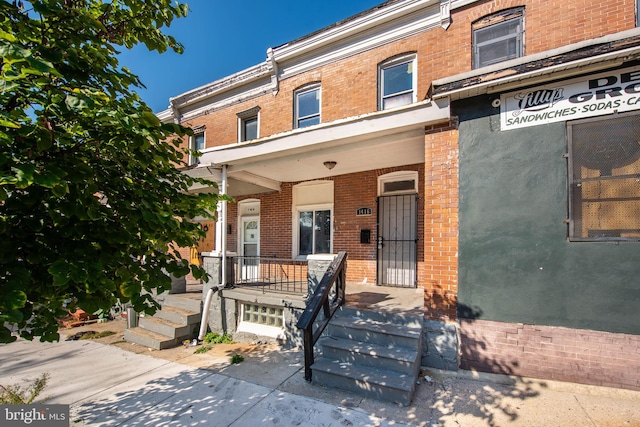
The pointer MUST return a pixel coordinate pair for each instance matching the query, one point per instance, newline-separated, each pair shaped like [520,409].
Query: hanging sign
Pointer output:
[596,95]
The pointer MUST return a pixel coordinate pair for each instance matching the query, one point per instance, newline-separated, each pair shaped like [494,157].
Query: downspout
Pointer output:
[204,321]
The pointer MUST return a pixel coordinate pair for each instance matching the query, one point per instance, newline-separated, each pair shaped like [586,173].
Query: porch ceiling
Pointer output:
[373,141]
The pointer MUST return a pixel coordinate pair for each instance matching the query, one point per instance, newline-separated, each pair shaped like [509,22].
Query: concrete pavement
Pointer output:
[108,384]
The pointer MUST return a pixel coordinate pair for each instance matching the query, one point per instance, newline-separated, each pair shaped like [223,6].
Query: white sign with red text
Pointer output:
[596,95]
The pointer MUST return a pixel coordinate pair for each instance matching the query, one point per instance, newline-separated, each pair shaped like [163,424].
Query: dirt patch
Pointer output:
[218,357]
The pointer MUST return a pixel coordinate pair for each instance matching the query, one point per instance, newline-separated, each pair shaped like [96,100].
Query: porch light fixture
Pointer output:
[330,164]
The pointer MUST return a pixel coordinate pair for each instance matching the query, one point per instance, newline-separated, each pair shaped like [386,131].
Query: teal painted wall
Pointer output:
[515,262]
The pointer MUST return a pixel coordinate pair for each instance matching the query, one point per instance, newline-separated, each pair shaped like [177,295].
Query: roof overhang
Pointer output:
[568,61]
[377,140]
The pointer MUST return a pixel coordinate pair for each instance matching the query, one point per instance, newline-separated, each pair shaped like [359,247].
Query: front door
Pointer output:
[397,240]
[250,239]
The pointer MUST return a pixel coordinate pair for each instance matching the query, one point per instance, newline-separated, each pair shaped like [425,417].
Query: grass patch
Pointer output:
[214,338]
[95,335]
[236,358]
[16,395]
[202,349]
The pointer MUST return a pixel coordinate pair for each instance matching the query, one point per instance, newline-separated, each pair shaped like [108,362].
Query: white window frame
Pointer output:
[314,209]
[398,177]
[193,142]
[391,63]
[311,196]
[259,328]
[243,118]
[484,24]
[313,87]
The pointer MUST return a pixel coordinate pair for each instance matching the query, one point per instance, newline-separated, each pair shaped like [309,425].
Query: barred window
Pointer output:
[604,178]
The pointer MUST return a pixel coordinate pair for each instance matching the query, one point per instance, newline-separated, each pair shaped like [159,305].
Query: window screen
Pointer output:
[604,168]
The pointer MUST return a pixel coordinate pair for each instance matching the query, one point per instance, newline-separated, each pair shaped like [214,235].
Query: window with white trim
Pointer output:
[307,106]
[196,145]
[248,124]
[313,218]
[604,171]
[498,37]
[402,182]
[314,232]
[397,82]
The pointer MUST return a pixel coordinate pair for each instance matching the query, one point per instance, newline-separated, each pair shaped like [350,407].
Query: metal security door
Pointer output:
[397,240]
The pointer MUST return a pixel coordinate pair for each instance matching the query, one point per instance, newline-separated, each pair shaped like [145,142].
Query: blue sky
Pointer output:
[224,37]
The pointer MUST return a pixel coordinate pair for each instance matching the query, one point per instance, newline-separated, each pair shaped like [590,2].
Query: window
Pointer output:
[397,82]
[196,145]
[261,319]
[312,218]
[307,106]
[263,315]
[315,232]
[498,37]
[403,182]
[248,124]
[604,169]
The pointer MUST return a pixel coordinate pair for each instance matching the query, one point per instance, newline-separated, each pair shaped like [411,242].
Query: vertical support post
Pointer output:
[308,353]
[223,214]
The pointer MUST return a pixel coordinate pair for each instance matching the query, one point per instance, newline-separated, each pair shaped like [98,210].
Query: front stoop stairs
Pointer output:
[371,353]
[170,326]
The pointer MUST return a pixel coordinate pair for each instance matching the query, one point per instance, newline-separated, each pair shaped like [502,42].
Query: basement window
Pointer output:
[262,320]
[604,178]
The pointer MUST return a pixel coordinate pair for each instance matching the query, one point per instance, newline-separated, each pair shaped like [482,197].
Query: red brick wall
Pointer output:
[562,354]
[350,193]
[440,266]
[349,87]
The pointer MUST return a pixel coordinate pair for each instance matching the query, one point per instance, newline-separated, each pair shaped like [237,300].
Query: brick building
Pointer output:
[483,151]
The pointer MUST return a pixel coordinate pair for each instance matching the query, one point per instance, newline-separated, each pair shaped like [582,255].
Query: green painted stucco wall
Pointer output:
[515,262]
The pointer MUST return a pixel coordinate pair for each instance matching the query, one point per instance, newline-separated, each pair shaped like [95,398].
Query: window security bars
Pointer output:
[604,172]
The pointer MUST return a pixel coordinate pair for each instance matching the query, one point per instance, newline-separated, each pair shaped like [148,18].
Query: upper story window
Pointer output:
[307,106]
[397,82]
[196,145]
[604,166]
[248,124]
[498,37]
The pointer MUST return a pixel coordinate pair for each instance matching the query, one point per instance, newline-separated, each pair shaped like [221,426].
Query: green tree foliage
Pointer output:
[91,202]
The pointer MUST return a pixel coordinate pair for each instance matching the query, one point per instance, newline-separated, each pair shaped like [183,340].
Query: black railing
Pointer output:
[325,300]
[271,274]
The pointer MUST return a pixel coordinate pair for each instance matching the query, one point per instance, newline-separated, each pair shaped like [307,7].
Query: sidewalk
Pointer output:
[111,383]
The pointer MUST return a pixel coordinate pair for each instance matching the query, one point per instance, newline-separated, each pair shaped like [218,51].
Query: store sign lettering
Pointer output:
[602,94]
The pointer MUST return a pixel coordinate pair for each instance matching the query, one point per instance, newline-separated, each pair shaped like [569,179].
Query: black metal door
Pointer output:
[397,240]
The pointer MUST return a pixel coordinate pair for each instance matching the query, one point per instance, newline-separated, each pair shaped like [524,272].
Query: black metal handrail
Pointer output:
[323,299]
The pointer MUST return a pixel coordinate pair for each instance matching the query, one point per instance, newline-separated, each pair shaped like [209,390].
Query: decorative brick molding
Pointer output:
[554,353]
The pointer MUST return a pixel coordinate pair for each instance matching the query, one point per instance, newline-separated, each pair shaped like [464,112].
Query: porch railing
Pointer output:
[328,296]
[271,274]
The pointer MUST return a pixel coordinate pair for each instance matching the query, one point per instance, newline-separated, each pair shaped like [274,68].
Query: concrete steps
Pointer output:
[175,322]
[371,353]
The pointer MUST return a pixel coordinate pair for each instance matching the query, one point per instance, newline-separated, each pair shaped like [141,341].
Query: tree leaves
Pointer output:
[92,206]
